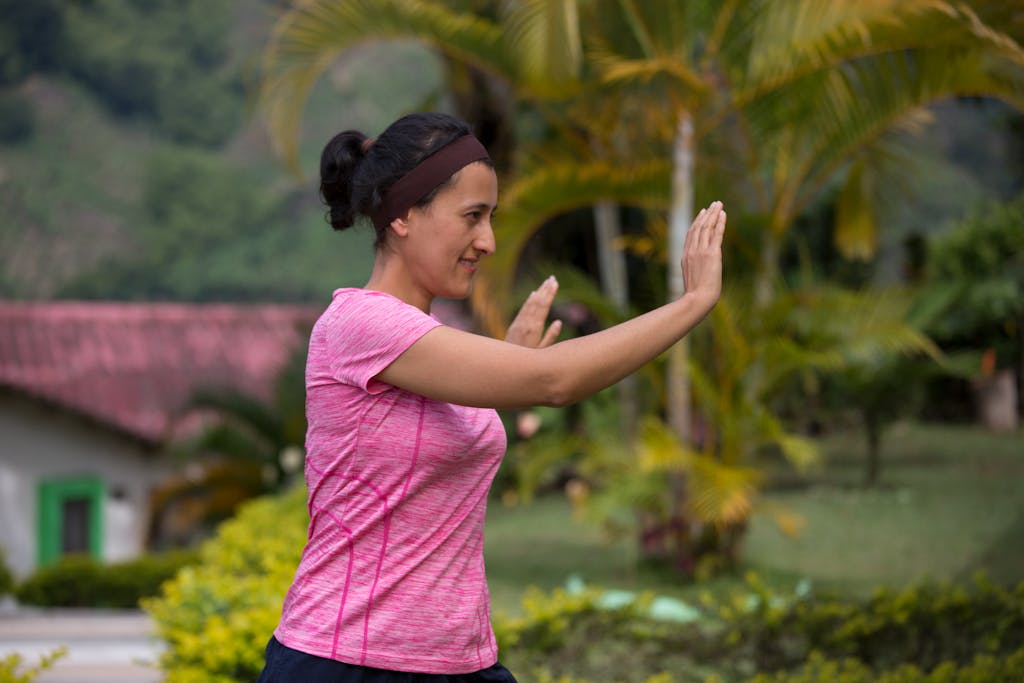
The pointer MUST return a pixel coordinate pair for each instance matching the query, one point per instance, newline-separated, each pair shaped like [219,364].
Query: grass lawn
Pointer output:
[950,503]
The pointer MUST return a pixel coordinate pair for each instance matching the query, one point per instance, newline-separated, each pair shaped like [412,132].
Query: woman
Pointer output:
[403,439]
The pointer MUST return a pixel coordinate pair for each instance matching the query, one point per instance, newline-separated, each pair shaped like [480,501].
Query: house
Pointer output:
[89,394]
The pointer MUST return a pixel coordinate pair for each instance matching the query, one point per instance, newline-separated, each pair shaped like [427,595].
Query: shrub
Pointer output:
[81,581]
[217,616]
[6,578]
[924,625]
[12,671]
[982,669]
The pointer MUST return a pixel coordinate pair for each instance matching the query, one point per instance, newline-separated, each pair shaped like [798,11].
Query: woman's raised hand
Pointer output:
[702,254]
[527,329]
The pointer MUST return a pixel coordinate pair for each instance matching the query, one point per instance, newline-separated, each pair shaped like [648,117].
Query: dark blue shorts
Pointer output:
[285,665]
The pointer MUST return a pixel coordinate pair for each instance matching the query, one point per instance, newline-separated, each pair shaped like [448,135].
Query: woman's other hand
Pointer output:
[527,329]
[702,255]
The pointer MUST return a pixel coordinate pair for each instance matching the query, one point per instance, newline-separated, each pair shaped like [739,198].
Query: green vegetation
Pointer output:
[660,108]
[6,578]
[217,616]
[134,168]
[948,507]
[976,274]
[81,581]
[13,669]
[929,628]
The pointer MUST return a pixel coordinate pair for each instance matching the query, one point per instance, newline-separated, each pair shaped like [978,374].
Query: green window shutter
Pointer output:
[70,518]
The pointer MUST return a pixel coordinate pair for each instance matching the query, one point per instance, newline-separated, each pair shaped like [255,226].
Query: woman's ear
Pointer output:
[400,226]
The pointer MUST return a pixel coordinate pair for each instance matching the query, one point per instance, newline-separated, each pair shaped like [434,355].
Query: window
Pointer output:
[70,518]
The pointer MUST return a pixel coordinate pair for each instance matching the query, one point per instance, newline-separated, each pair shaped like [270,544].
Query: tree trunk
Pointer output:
[680,217]
[612,262]
[678,380]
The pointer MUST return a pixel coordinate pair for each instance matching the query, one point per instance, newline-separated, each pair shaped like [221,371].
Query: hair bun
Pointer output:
[338,164]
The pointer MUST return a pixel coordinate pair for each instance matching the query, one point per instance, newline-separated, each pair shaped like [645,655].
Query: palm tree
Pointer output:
[773,99]
[247,447]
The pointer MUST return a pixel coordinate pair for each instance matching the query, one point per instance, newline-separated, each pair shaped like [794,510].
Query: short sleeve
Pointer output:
[364,333]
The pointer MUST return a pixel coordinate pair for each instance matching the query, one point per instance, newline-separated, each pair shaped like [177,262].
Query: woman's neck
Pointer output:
[390,276]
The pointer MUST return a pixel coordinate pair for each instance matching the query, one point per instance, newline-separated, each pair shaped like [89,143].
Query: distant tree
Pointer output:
[196,207]
[31,38]
[17,118]
[161,59]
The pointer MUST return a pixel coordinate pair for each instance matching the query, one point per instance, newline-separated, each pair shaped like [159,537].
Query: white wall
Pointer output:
[37,443]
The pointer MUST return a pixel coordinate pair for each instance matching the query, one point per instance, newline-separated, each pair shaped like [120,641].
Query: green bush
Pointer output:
[6,578]
[924,625]
[81,581]
[982,669]
[217,616]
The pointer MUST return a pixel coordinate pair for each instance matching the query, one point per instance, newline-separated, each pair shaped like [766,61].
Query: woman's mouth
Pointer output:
[468,264]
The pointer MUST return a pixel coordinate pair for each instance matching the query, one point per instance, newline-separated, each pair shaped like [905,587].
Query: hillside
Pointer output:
[115,194]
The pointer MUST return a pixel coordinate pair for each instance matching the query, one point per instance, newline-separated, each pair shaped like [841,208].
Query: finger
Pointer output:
[546,296]
[529,305]
[719,232]
[533,307]
[554,329]
[693,229]
[710,220]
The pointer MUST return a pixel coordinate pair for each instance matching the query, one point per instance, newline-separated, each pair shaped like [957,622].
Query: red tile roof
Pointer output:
[133,366]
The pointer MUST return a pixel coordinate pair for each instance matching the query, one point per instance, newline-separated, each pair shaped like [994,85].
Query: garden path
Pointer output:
[103,646]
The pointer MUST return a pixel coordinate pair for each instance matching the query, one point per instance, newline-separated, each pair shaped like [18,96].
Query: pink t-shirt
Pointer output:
[392,575]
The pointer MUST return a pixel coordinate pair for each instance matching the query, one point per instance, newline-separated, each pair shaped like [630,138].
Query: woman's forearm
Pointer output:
[585,365]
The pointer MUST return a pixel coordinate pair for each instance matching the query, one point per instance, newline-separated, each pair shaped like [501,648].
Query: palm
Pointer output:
[771,100]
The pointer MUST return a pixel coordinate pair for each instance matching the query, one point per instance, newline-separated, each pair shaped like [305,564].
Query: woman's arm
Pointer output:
[467,369]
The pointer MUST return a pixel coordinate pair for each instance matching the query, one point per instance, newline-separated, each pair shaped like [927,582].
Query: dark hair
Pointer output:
[354,176]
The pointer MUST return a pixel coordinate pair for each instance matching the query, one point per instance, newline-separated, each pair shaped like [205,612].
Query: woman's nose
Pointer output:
[485,239]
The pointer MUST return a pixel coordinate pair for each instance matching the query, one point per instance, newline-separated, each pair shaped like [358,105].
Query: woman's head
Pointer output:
[357,173]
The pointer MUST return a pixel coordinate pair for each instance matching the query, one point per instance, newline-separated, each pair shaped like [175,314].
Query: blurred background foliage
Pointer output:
[133,165]
[805,117]
[864,151]
[870,156]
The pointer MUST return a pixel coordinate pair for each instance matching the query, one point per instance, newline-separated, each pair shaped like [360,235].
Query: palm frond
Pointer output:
[793,39]
[312,35]
[660,450]
[545,34]
[556,188]
[720,494]
[616,71]
[242,410]
[856,234]
[230,443]
[844,111]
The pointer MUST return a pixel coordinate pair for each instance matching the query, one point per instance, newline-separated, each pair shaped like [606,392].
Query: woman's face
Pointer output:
[447,238]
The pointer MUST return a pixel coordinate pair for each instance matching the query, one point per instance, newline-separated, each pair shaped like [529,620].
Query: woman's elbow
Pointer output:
[558,392]
[555,385]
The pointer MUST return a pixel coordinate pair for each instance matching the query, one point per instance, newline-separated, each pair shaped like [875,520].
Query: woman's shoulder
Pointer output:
[368,312]
[358,297]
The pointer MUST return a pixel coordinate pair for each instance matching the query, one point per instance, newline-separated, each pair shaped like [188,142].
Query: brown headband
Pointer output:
[431,172]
